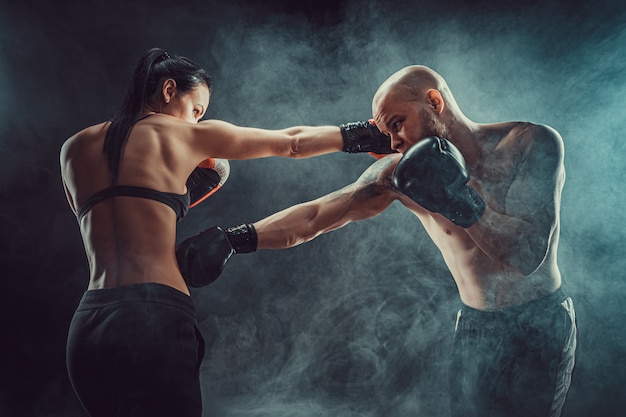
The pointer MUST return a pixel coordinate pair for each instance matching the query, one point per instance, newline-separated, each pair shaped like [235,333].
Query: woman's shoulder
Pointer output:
[89,133]
[87,136]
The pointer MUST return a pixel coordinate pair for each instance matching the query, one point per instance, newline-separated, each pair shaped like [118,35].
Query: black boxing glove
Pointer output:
[433,174]
[206,179]
[202,258]
[364,137]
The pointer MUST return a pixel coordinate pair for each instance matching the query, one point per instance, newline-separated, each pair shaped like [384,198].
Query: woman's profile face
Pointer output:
[189,106]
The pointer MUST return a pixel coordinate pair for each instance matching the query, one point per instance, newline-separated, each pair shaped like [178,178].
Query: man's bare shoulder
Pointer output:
[381,171]
[370,194]
[524,137]
[538,153]
[542,141]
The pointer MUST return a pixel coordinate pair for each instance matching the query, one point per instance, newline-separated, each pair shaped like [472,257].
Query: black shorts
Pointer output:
[136,351]
[515,361]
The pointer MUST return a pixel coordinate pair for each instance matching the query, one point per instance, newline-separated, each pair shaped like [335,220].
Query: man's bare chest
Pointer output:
[493,176]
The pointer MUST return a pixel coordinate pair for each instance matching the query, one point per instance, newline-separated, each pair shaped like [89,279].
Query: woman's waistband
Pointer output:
[146,292]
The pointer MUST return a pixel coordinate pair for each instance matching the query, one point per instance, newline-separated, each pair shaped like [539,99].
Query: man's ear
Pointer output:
[168,90]
[435,100]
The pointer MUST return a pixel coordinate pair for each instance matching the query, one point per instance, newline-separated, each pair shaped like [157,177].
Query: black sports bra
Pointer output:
[178,202]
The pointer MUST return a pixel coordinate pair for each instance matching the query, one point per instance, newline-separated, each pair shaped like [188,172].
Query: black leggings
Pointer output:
[515,361]
[136,351]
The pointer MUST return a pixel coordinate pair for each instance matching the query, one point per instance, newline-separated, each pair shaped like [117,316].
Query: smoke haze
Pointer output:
[358,321]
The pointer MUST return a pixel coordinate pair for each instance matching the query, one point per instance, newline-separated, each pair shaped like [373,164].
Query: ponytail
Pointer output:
[144,89]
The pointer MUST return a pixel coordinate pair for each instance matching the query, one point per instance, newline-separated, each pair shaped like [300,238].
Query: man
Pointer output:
[488,196]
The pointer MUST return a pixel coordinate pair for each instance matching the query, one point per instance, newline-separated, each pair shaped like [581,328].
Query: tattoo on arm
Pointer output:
[376,179]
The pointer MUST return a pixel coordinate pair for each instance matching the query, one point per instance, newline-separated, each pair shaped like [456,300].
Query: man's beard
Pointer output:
[433,127]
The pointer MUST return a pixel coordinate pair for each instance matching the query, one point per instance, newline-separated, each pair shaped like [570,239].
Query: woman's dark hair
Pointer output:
[153,68]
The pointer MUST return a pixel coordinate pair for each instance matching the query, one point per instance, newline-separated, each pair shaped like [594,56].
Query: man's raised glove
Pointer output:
[433,174]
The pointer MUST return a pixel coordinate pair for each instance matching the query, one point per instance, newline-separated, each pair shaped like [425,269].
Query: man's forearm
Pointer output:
[287,228]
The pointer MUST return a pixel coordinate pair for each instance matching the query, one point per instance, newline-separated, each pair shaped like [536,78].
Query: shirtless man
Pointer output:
[489,197]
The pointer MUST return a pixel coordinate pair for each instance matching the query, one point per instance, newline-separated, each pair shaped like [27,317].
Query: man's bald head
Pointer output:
[411,83]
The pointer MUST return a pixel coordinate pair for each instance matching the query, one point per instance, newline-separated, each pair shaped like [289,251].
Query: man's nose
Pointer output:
[395,142]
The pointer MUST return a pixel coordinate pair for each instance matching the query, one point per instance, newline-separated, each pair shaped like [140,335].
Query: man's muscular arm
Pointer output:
[370,195]
[521,236]
[203,257]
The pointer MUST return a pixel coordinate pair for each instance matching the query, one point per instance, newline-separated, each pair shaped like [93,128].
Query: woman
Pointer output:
[133,347]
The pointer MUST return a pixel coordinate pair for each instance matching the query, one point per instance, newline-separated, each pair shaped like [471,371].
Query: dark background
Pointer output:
[357,322]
